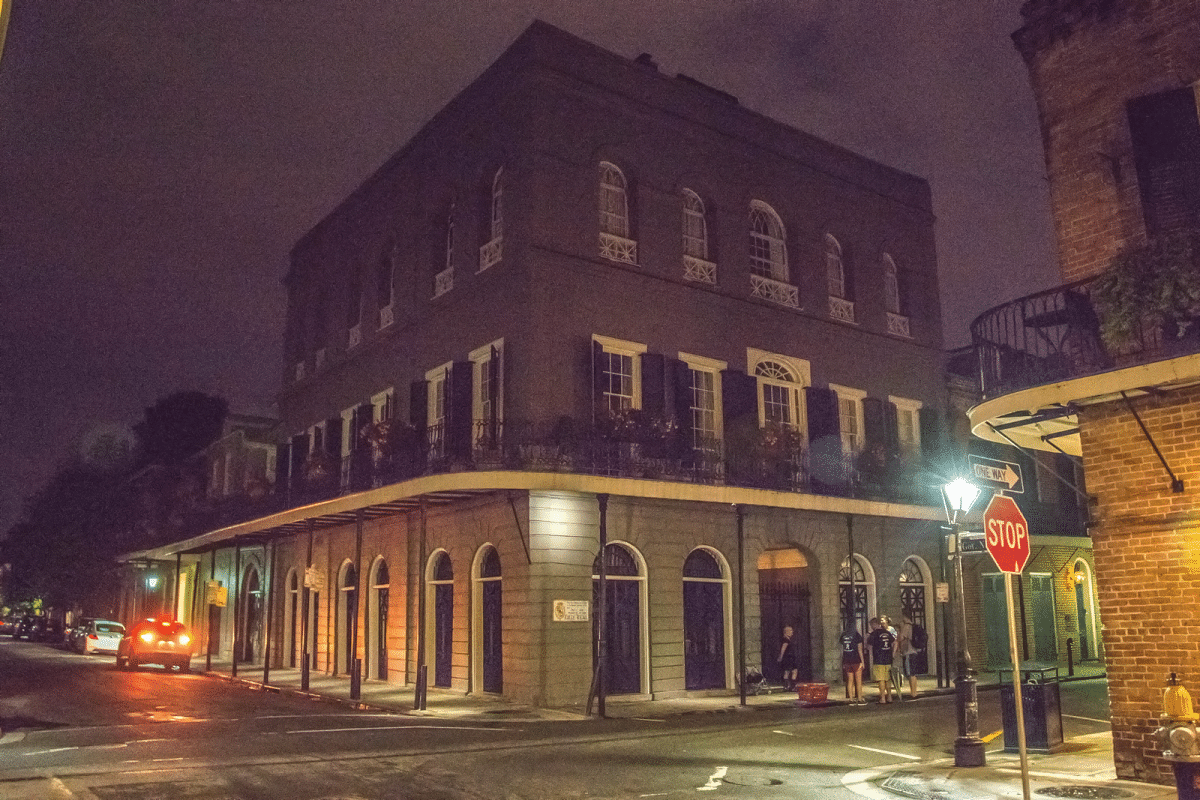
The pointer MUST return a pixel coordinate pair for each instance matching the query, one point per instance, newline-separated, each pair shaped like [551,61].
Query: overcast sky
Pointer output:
[158,160]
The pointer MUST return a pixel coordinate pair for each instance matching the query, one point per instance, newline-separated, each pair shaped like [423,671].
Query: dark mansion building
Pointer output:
[592,309]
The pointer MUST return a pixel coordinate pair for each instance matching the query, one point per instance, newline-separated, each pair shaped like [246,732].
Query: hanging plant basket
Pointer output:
[1153,287]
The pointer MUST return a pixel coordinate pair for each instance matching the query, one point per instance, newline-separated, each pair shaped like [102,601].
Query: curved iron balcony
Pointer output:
[1054,336]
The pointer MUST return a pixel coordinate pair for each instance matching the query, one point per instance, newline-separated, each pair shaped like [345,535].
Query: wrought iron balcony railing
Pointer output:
[1054,336]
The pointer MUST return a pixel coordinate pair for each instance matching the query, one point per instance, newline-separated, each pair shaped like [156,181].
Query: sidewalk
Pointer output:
[1083,768]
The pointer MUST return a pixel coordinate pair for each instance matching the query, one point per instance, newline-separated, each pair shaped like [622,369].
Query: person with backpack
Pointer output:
[911,646]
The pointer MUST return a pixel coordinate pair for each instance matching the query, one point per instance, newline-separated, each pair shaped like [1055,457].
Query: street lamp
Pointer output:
[958,496]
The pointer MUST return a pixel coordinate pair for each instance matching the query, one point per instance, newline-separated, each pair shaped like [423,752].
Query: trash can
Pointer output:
[1043,711]
[1187,778]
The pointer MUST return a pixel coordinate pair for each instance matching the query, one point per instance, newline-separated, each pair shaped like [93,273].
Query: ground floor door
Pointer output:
[1041,596]
[783,601]
[704,634]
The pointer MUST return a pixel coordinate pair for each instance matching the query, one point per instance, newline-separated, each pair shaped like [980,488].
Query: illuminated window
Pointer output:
[850,417]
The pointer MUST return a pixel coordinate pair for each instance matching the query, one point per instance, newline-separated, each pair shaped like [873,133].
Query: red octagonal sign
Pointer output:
[1006,534]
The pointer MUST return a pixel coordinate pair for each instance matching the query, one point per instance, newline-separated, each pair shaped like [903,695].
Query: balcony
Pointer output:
[618,248]
[699,270]
[491,253]
[1041,357]
[841,309]
[443,282]
[776,291]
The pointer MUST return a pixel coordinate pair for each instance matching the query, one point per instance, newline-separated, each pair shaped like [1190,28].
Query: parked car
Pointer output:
[8,626]
[156,641]
[75,632]
[99,636]
[26,626]
[46,629]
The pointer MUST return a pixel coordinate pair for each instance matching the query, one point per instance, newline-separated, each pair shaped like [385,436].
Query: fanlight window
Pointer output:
[614,206]
[695,228]
[768,250]
[701,564]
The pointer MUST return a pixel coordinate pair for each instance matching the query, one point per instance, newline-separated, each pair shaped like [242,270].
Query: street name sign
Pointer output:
[1006,534]
[1003,475]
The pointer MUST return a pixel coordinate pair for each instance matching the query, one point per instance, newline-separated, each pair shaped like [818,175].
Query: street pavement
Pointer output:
[1081,768]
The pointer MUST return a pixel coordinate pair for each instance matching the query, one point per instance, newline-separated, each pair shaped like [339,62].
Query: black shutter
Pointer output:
[874,421]
[495,375]
[933,434]
[418,409]
[892,426]
[739,401]
[825,459]
[654,400]
[597,361]
[459,409]
[679,375]
[364,415]
[333,437]
[283,465]
[1165,130]
[300,448]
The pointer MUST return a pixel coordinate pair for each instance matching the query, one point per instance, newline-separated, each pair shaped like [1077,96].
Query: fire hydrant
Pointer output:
[1179,740]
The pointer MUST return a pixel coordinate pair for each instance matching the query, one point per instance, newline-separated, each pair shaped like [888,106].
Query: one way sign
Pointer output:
[1004,475]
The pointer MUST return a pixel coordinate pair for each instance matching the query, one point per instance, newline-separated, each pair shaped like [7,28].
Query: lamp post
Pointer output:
[958,495]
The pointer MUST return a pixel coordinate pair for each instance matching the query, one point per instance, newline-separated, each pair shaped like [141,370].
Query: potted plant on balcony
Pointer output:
[1151,287]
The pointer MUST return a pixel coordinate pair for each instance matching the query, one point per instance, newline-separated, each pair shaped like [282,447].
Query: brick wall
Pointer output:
[1147,551]
[1148,46]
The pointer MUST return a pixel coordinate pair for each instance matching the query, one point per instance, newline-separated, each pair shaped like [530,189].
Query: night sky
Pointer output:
[160,158]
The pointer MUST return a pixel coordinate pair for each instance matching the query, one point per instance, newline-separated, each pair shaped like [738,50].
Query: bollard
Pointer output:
[304,673]
[356,679]
[1070,657]
[419,698]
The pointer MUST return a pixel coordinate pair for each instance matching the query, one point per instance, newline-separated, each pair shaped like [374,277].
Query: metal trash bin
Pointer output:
[1043,710]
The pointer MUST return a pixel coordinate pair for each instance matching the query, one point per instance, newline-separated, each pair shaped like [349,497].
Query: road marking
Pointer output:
[407,728]
[54,750]
[783,733]
[1089,719]
[714,780]
[886,752]
[647,719]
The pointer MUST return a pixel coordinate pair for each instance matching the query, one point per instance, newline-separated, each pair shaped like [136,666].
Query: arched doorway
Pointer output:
[1081,576]
[783,601]
[441,585]
[377,644]
[914,598]
[491,609]
[347,617]
[704,621]
[250,642]
[291,619]
[859,608]
[623,619]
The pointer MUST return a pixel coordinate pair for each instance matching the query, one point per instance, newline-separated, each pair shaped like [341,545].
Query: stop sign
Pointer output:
[1006,534]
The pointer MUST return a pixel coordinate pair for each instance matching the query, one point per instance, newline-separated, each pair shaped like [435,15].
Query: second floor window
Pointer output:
[768,250]
[779,394]
[705,435]
[850,418]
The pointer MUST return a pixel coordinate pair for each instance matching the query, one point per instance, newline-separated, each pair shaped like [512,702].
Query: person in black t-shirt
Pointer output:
[883,652]
[852,661]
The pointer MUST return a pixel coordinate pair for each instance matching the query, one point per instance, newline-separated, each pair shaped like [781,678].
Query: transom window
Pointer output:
[768,250]
[695,228]
[614,204]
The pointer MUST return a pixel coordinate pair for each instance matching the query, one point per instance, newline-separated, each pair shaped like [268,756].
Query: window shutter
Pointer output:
[364,415]
[654,398]
[1165,130]
[933,434]
[495,375]
[739,396]
[596,352]
[333,437]
[283,465]
[825,459]
[874,421]
[459,421]
[679,405]
[418,408]
[892,429]
[299,454]
[739,400]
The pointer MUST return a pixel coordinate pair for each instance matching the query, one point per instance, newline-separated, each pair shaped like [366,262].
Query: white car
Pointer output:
[100,636]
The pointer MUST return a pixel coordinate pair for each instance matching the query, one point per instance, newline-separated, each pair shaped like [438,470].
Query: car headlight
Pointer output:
[147,637]
[184,638]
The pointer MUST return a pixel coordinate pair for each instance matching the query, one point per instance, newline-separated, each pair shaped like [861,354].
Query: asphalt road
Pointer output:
[79,728]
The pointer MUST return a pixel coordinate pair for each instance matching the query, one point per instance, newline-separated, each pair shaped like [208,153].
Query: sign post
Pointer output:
[1007,536]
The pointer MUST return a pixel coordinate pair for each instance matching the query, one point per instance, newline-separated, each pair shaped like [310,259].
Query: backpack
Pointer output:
[919,638]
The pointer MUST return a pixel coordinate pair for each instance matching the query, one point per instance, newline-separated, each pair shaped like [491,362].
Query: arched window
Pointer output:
[348,622]
[891,285]
[490,617]
[624,582]
[614,205]
[835,273]
[779,394]
[442,608]
[498,204]
[379,603]
[695,228]
[703,621]
[768,249]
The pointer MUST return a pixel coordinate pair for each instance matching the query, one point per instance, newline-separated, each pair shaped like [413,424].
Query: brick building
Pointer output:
[591,302]
[1068,370]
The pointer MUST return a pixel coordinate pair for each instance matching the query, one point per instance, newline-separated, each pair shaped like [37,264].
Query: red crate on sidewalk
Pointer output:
[813,692]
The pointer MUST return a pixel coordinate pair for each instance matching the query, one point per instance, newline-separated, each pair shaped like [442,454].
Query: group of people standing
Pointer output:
[894,653]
